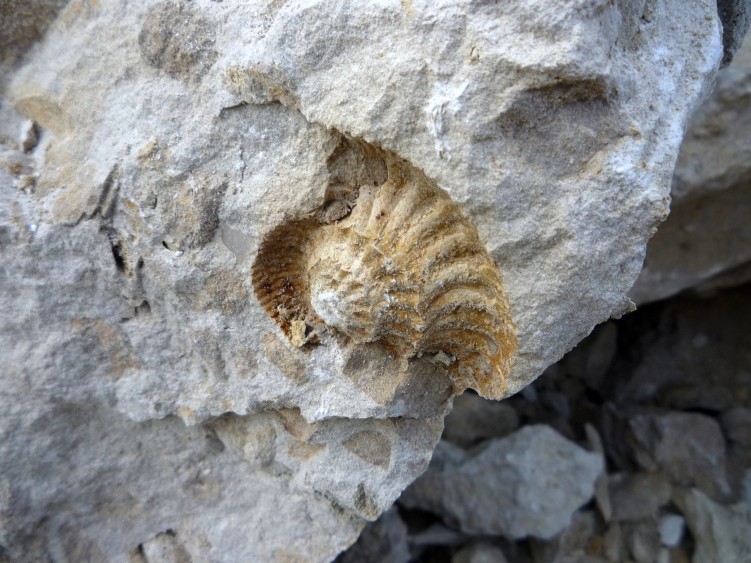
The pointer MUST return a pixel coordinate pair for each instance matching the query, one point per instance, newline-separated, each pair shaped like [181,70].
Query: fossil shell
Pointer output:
[400,266]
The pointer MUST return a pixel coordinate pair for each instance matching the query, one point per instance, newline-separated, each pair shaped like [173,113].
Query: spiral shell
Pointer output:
[399,265]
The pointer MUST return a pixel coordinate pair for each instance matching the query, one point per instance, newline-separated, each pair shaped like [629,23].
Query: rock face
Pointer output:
[150,153]
[528,484]
[706,240]
[688,446]
[724,533]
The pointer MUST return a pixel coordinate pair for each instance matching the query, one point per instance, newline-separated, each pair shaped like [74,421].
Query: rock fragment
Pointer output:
[527,484]
[383,541]
[479,552]
[689,447]
[473,419]
[736,423]
[671,529]
[146,387]
[635,496]
[704,241]
[721,533]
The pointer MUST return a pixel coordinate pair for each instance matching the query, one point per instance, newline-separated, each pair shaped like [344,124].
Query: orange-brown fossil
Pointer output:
[392,261]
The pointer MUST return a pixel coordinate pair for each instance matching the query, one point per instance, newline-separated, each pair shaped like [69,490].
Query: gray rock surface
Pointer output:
[23,23]
[722,533]
[634,496]
[671,529]
[706,240]
[652,452]
[573,544]
[146,150]
[473,419]
[689,447]
[384,541]
[479,553]
[689,354]
[643,541]
[735,16]
[736,423]
[527,484]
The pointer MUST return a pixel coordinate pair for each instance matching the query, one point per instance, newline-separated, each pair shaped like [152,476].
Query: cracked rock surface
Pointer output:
[151,405]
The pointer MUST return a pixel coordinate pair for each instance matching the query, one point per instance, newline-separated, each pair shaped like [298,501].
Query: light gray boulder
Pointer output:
[527,484]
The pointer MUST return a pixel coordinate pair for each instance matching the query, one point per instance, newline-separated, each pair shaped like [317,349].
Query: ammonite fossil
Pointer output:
[390,259]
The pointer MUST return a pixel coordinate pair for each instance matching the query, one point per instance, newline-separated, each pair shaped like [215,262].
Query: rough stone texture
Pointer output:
[643,541]
[671,529]
[384,541]
[632,517]
[736,423]
[723,533]
[473,419]
[23,23]
[638,495]
[735,16]
[147,149]
[689,447]
[706,240]
[573,544]
[479,553]
[688,354]
[527,484]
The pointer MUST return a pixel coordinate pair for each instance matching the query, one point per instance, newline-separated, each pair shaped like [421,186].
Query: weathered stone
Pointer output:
[635,496]
[721,533]
[527,484]
[479,552]
[736,423]
[23,23]
[705,240]
[614,548]
[174,138]
[474,419]
[602,492]
[671,529]
[580,541]
[437,535]
[382,541]
[688,447]
[164,548]
[591,359]
[735,16]
[687,354]
[643,540]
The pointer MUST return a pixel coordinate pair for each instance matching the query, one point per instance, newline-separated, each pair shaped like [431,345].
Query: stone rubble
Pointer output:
[677,484]
[527,484]
[704,243]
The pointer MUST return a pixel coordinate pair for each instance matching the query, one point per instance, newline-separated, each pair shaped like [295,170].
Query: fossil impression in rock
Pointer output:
[390,259]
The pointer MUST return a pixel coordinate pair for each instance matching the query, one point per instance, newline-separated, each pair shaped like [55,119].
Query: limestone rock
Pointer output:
[382,541]
[735,16]
[689,447]
[578,542]
[688,355]
[721,533]
[638,495]
[149,151]
[473,419]
[22,24]
[643,541]
[706,239]
[479,552]
[671,529]
[527,484]
[736,423]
